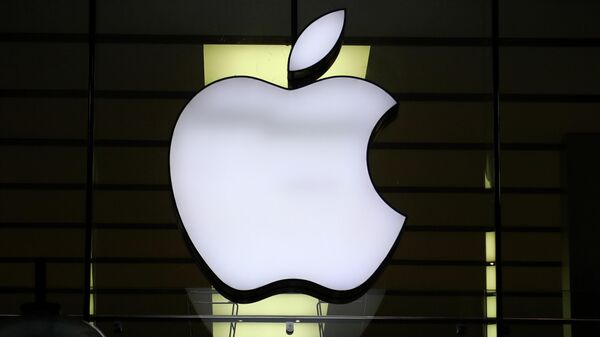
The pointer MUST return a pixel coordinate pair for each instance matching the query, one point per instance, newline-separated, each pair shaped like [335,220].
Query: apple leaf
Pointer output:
[316,49]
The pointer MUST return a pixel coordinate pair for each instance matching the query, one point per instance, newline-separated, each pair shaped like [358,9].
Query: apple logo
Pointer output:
[272,184]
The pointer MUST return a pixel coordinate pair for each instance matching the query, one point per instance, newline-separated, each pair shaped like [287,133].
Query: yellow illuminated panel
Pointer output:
[285,304]
[492,330]
[352,61]
[490,278]
[92,308]
[269,62]
[490,306]
[490,282]
[490,247]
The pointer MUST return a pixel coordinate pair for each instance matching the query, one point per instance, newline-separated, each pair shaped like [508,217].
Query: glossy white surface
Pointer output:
[273,184]
[316,41]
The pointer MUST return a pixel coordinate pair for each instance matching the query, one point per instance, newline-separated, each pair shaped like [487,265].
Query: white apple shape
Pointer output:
[273,189]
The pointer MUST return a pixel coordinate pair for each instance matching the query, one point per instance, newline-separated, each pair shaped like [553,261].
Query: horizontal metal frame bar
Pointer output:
[335,319]
[442,97]
[404,96]
[467,190]
[356,40]
[189,260]
[550,98]
[342,319]
[473,263]
[550,42]
[41,225]
[470,293]
[174,226]
[388,292]
[281,319]
[380,189]
[450,146]
[415,97]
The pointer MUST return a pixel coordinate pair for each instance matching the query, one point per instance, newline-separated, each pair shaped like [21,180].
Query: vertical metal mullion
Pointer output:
[294,20]
[89,182]
[496,145]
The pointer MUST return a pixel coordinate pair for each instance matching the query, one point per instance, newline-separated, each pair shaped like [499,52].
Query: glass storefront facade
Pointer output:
[522,101]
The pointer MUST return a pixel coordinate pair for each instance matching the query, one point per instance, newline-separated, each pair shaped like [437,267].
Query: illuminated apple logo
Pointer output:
[272,184]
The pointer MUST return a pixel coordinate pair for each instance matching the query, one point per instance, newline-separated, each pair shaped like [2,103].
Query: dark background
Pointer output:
[435,56]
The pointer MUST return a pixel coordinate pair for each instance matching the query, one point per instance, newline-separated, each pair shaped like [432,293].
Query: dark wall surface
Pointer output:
[435,161]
